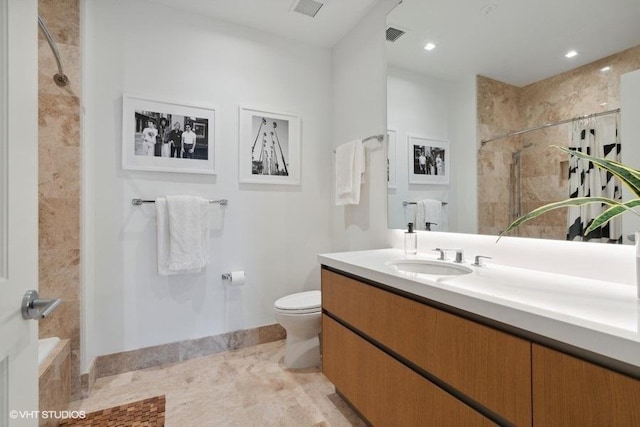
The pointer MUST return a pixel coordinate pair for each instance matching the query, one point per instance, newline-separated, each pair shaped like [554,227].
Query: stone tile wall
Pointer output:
[54,382]
[503,108]
[60,176]
[498,114]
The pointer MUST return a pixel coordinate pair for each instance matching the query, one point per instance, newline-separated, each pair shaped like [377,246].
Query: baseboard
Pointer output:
[87,380]
[133,360]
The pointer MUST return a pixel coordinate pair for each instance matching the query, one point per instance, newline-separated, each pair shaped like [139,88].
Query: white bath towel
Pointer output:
[182,234]
[429,210]
[350,165]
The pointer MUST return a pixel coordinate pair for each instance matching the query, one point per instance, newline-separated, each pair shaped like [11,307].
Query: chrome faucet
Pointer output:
[478,260]
[459,254]
[441,257]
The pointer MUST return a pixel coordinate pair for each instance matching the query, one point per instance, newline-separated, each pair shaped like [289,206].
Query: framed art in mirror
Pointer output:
[167,136]
[428,160]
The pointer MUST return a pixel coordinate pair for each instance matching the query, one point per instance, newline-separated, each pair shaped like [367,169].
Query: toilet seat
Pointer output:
[299,303]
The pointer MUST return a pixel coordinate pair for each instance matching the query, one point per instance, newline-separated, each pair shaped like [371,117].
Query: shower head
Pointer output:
[60,78]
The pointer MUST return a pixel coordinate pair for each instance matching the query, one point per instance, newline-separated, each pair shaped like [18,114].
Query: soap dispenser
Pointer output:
[410,240]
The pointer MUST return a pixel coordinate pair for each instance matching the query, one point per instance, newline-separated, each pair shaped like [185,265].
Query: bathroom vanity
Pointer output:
[496,346]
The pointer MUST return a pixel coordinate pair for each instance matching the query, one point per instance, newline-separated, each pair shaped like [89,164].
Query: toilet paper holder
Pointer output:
[235,278]
[234,275]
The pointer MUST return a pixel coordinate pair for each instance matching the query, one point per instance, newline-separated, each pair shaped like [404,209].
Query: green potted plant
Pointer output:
[628,176]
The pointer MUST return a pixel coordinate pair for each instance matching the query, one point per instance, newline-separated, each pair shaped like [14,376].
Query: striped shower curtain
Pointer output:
[597,137]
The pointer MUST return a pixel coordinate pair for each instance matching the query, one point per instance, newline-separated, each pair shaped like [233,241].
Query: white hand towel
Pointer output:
[429,210]
[182,235]
[188,232]
[350,165]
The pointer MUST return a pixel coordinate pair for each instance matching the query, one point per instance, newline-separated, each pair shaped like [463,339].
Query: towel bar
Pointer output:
[138,202]
[380,138]
[415,203]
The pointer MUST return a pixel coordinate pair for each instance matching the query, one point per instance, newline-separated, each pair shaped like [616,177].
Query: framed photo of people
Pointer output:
[269,147]
[429,160]
[167,136]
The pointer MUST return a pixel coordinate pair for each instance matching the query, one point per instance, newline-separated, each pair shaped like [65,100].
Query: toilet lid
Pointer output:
[301,301]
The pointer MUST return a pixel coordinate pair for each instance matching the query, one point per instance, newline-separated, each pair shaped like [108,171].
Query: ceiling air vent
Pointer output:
[307,7]
[394,34]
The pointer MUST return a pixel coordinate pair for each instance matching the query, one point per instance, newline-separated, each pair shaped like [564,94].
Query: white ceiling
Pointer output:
[334,20]
[519,42]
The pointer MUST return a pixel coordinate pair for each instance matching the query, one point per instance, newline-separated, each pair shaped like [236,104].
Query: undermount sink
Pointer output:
[434,268]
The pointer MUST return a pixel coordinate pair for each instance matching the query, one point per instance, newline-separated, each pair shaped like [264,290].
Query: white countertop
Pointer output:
[597,316]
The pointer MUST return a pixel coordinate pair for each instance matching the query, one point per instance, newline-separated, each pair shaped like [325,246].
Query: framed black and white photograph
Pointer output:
[391,159]
[428,160]
[269,147]
[167,136]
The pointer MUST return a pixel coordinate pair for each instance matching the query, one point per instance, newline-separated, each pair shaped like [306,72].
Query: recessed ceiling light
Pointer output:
[605,69]
[429,46]
[603,104]
[571,54]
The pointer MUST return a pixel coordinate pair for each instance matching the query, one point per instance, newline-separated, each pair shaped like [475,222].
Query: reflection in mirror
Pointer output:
[4,112]
[505,62]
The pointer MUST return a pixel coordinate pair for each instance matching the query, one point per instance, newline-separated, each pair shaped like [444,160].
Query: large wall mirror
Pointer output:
[4,134]
[478,92]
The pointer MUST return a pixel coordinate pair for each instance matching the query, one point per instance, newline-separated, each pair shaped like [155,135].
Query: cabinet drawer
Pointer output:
[385,391]
[572,392]
[490,366]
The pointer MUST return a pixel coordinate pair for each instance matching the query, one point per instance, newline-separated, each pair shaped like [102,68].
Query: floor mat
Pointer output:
[143,413]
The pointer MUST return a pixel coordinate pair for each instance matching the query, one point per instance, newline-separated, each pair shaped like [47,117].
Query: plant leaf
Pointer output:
[613,212]
[629,176]
[578,201]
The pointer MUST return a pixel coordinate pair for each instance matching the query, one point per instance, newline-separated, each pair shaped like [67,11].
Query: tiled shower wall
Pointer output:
[60,177]
[503,108]
[497,114]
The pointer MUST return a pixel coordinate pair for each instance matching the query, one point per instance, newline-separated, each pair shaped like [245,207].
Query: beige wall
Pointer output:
[503,108]
[498,113]
[59,176]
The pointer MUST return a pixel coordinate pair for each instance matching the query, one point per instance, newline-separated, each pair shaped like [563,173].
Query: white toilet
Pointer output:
[299,314]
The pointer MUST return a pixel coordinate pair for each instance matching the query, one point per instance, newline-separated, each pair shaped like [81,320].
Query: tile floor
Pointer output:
[247,387]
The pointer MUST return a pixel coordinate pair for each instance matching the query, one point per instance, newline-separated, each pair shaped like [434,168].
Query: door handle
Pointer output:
[35,308]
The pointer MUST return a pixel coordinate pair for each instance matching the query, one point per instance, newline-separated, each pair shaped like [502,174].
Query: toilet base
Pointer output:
[302,353]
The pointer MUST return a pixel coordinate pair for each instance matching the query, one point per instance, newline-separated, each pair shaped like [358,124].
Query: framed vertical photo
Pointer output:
[429,160]
[269,147]
[392,168]
[167,136]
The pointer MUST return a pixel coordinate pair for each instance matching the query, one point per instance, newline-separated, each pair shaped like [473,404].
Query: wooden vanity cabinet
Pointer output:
[401,361]
[472,361]
[384,390]
[568,391]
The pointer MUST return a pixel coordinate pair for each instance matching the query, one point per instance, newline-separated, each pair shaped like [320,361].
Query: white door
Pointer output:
[18,210]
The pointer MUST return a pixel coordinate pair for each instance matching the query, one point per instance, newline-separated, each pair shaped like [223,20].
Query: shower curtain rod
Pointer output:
[61,79]
[561,122]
